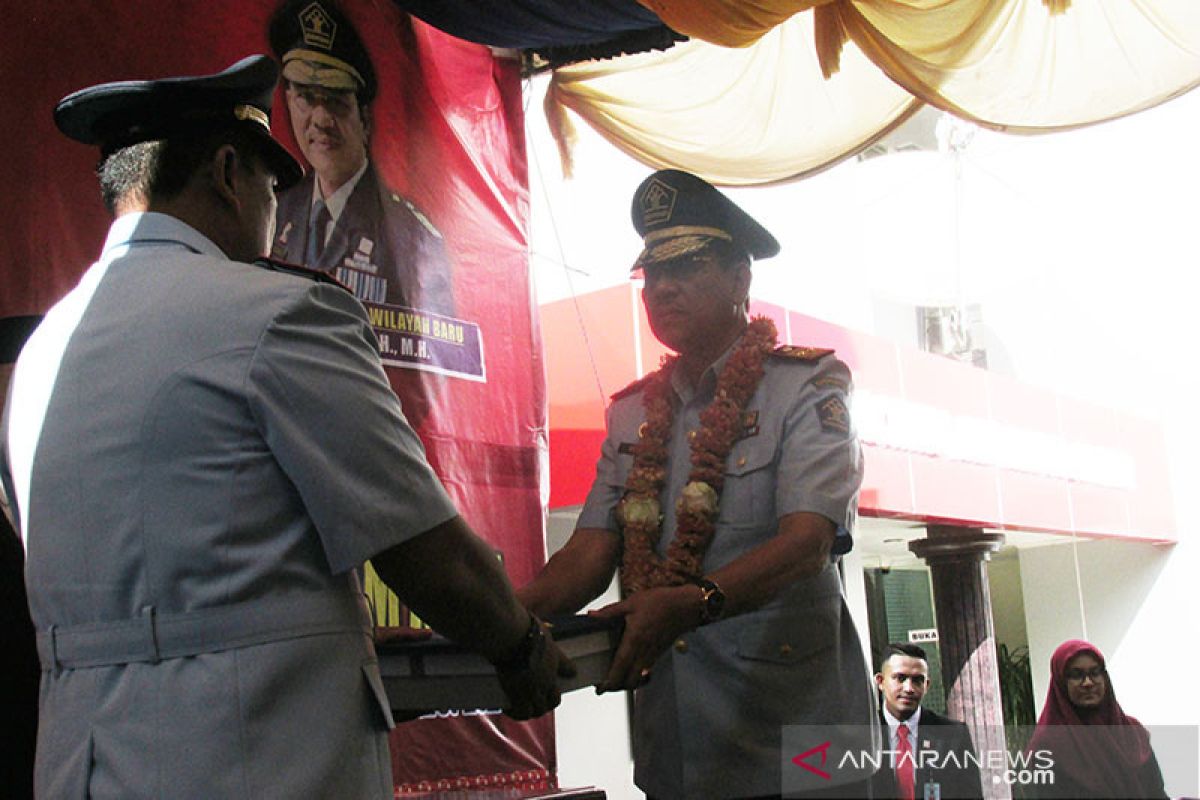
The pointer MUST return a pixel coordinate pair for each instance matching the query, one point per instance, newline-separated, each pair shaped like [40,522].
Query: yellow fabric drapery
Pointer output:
[735,116]
[729,23]
[767,111]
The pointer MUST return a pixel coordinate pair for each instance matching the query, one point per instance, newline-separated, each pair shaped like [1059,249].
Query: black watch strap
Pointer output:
[521,655]
[712,601]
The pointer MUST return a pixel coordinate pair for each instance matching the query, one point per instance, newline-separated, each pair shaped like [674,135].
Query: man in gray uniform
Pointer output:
[200,451]
[726,488]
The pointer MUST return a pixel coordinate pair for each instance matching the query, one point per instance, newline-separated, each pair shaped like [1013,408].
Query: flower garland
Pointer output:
[698,506]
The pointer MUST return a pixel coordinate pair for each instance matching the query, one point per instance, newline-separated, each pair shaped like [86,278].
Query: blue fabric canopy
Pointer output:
[572,29]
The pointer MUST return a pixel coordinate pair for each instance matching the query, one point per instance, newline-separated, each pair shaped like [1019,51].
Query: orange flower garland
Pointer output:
[698,506]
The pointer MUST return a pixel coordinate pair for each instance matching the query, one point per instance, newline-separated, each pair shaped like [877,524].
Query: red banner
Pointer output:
[443,272]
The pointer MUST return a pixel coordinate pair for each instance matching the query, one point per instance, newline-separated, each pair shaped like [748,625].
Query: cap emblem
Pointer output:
[317,27]
[250,113]
[658,202]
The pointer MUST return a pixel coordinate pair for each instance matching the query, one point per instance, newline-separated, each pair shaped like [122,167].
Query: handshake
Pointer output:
[423,672]
[529,673]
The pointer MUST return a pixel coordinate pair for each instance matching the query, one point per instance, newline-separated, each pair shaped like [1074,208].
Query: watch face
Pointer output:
[714,601]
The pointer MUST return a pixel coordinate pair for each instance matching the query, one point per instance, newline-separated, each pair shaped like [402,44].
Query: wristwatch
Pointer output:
[521,655]
[712,601]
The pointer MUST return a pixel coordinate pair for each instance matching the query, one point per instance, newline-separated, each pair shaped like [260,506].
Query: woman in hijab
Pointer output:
[1098,750]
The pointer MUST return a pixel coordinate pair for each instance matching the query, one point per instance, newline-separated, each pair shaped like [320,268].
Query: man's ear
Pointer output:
[742,281]
[225,174]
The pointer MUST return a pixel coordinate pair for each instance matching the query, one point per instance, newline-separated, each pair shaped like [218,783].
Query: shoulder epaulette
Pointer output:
[275,265]
[633,387]
[801,353]
[416,212]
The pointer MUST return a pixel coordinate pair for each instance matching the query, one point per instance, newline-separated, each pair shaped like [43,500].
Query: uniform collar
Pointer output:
[336,202]
[708,379]
[150,227]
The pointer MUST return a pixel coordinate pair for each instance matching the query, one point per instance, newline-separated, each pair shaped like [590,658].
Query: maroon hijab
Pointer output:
[1102,749]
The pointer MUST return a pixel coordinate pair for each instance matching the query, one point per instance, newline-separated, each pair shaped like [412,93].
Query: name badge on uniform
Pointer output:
[749,425]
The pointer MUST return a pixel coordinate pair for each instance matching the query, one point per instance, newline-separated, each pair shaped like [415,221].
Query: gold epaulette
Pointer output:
[633,387]
[416,212]
[801,353]
[275,265]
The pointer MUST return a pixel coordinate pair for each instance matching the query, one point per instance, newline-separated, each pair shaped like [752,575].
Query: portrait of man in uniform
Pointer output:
[343,218]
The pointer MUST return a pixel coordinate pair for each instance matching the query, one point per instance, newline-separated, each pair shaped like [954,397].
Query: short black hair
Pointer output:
[162,168]
[903,649]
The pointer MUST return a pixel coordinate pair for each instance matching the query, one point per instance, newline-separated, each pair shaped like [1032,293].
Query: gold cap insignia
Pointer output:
[252,114]
[317,27]
[311,68]
[658,202]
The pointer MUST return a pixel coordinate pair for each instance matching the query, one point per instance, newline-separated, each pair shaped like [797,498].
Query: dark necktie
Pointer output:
[318,221]
[905,777]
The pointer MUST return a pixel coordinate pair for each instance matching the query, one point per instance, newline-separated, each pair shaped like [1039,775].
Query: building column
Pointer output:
[957,559]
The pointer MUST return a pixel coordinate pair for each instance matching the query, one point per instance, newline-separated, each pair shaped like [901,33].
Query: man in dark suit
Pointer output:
[342,218]
[932,756]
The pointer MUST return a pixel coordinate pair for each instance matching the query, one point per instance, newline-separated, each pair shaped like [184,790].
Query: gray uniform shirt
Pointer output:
[709,722]
[200,452]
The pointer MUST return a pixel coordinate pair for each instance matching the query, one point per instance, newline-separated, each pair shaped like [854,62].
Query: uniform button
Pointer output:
[680,645]
[785,650]
[691,434]
[742,461]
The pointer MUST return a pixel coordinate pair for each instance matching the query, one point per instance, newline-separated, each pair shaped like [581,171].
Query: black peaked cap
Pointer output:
[677,213]
[116,115]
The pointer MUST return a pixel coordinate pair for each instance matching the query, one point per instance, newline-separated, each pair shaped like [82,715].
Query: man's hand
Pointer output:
[530,676]
[654,618]
[575,575]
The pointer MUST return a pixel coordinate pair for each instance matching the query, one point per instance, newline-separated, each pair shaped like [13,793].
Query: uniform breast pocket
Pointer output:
[748,498]
[791,640]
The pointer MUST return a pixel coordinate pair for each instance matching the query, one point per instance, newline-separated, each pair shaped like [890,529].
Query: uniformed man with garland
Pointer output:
[193,504]
[342,218]
[725,491]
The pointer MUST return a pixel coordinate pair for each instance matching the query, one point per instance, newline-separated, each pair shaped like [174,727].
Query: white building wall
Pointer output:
[1008,600]
[856,599]
[1138,608]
